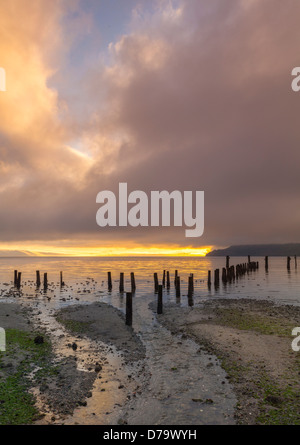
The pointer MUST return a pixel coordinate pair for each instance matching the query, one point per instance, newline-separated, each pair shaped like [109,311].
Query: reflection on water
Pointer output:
[86,278]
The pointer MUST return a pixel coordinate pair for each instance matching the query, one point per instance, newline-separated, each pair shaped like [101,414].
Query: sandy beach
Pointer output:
[250,339]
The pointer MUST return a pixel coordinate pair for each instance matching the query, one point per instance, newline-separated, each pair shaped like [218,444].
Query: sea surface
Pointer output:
[86,278]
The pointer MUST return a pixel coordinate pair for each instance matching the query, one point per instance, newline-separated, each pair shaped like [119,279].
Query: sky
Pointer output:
[160,94]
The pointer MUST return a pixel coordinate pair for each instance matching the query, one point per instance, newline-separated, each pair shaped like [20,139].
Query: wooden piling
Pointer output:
[224,275]
[38,278]
[133,286]
[176,275]
[164,279]
[121,286]
[289,262]
[217,277]
[190,286]
[15,277]
[155,282]
[160,300]
[227,262]
[19,280]
[266,262]
[61,280]
[209,278]
[45,280]
[192,281]
[128,308]
[168,280]
[109,281]
[178,291]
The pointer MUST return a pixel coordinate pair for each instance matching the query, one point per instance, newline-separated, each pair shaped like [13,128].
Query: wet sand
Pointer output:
[253,341]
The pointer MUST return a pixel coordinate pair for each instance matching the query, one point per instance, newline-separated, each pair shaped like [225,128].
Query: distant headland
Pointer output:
[259,250]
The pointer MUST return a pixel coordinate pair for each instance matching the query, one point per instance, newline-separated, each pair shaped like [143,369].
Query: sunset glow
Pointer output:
[40,250]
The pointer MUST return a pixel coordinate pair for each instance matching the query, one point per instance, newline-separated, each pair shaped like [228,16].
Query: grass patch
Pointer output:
[76,327]
[280,405]
[263,324]
[22,357]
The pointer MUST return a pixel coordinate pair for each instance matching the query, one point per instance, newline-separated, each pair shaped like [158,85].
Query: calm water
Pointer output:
[86,278]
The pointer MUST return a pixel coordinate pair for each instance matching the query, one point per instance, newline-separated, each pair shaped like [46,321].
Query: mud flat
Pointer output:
[46,374]
[253,340]
[99,321]
[29,365]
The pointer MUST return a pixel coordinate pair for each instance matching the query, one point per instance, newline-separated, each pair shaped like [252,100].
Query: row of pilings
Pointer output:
[230,273]
[18,277]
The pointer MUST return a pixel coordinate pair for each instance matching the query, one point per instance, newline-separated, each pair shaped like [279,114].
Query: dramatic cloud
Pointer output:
[195,96]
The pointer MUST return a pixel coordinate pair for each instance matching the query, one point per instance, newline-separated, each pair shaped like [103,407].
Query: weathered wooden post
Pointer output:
[232,273]
[133,286]
[288,262]
[160,300]
[217,277]
[164,279]
[38,278]
[15,277]
[296,261]
[19,280]
[266,262]
[249,259]
[155,282]
[45,280]
[109,281]
[227,261]
[190,286]
[128,308]
[121,286]
[168,280]
[209,279]
[224,275]
[178,292]
[192,281]
[61,280]
[176,275]
[190,291]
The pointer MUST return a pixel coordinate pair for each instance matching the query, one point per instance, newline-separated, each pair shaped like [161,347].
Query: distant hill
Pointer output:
[259,250]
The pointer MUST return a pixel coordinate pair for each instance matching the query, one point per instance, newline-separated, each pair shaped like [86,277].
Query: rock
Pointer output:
[274,400]
[39,339]
[98,368]
[74,346]
[82,403]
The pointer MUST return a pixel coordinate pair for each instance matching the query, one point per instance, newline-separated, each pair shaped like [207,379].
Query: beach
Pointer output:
[69,375]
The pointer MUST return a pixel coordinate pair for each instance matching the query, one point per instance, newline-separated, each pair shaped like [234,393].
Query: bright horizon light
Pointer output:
[117,251]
